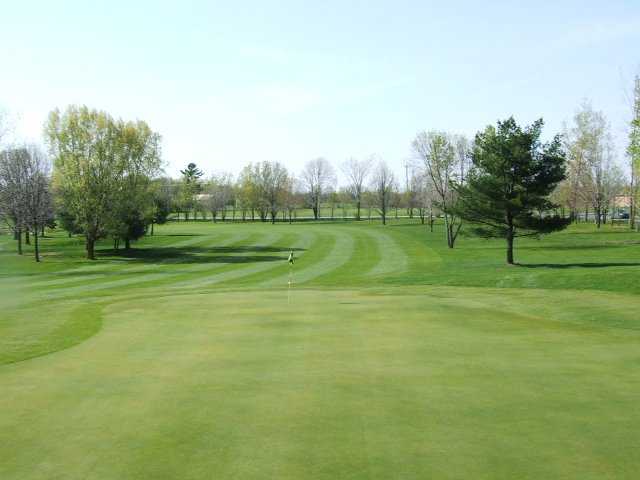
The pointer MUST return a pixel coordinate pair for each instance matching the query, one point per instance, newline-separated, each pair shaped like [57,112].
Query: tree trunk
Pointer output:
[448,229]
[510,248]
[127,243]
[90,245]
[19,237]
[35,244]
[152,224]
[27,237]
[42,231]
[358,210]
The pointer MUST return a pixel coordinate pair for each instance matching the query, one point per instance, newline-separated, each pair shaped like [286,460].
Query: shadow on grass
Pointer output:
[191,254]
[579,265]
[179,235]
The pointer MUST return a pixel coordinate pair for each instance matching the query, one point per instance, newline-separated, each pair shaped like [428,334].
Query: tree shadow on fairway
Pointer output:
[180,235]
[194,254]
[579,265]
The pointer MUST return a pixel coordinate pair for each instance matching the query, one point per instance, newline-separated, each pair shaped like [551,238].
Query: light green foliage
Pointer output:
[133,203]
[392,356]
[101,170]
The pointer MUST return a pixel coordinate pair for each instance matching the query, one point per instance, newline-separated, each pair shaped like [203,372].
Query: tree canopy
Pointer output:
[513,173]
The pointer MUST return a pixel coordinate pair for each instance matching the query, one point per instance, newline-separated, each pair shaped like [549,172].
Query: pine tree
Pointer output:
[506,193]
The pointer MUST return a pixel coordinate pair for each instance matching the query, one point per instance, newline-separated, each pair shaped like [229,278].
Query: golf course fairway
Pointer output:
[389,356]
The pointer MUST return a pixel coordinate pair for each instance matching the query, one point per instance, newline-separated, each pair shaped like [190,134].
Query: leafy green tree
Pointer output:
[67,220]
[162,192]
[88,170]
[506,193]
[139,148]
[102,172]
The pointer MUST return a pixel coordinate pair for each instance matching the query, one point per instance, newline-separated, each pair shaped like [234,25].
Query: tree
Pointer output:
[506,193]
[383,186]
[87,168]
[633,151]
[219,193]
[38,202]
[12,191]
[163,195]
[102,172]
[139,151]
[318,176]
[443,160]
[190,187]
[411,193]
[25,195]
[248,194]
[590,157]
[291,198]
[424,197]
[272,183]
[356,172]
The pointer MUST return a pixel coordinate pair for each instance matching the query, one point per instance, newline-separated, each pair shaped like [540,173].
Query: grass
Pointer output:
[391,357]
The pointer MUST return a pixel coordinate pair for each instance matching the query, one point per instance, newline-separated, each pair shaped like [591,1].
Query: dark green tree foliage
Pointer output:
[190,188]
[513,174]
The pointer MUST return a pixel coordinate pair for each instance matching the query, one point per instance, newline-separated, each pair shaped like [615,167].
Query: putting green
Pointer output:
[191,359]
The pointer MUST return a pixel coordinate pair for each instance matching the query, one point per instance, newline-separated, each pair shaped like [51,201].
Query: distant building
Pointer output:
[622,201]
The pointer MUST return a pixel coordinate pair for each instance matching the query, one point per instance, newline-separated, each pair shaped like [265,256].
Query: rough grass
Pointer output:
[391,357]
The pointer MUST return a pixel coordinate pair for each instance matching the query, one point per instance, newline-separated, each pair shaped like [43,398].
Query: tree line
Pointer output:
[103,178]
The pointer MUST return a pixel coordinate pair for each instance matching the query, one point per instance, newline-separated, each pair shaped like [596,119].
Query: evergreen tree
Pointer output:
[506,193]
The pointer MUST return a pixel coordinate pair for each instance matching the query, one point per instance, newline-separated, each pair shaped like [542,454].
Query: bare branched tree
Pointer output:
[590,153]
[219,193]
[25,194]
[443,164]
[383,185]
[357,172]
[318,177]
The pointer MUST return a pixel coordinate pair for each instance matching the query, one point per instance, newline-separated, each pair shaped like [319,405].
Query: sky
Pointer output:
[233,82]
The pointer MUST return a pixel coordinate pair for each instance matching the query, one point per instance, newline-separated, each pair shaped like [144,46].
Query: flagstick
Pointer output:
[289,288]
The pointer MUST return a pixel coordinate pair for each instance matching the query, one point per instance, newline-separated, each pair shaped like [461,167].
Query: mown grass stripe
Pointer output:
[136,278]
[109,264]
[366,255]
[121,268]
[303,243]
[230,271]
[333,252]
[391,258]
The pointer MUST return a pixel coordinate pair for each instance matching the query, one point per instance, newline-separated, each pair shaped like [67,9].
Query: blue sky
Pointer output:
[227,83]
